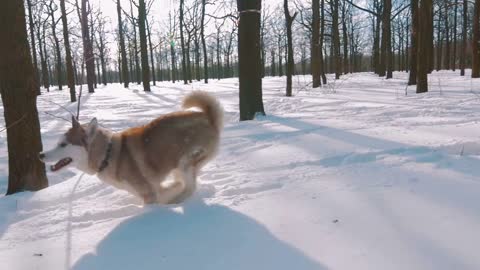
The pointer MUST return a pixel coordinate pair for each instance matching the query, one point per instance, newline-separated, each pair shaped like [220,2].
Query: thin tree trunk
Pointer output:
[58,55]
[454,55]
[182,42]
[336,40]
[123,52]
[204,46]
[475,41]
[154,79]
[68,53]
[87,47]
[34,49]
[463,51]
[290,64]
[322,37]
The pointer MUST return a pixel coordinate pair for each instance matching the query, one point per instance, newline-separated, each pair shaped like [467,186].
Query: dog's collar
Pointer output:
[105,161]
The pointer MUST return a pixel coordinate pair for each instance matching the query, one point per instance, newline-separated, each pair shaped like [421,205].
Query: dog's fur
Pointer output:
[139,159]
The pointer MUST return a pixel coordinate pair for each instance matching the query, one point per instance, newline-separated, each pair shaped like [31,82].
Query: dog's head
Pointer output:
[72,148]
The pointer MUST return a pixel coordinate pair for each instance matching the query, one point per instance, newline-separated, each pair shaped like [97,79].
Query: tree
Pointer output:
[336,39]
[123,52]
[475,41]
[314,47]
[412,78]
[142,16]
[34,49]
[68,53]
[182,43]
[463,51]
[249,62]
[423,66]
[52,7]
[18,91]
[88,56]
[290,64]
[204,46]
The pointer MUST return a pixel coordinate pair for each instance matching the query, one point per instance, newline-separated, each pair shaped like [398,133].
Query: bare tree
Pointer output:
[18,91]
[123,52]
[249,61]
[476,40]
[68,53]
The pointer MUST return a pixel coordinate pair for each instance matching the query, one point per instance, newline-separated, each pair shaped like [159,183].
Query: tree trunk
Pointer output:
[345,38]
[123,52]
[142,17]
[454,55]
[423,45]
[154,79]
[34,49]
[68,54]
[87,48]
[182,43]
[202,34]
[290,64]
[386,48]
[463,51]
[336,40]
[249,61]
[439,49]
[58,54]
[272,65]
[43,57]
[475,41]
[314,46]
[18,90]
[446,65]
[320,47]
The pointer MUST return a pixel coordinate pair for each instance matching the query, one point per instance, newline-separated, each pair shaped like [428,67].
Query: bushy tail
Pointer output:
[208,104]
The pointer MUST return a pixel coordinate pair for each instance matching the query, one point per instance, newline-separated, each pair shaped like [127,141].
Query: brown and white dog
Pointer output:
[139,159]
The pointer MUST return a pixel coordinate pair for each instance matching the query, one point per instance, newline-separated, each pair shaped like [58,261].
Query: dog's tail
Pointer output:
[208,104]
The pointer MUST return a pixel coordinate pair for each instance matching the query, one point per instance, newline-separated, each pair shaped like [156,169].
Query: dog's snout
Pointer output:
[41,156]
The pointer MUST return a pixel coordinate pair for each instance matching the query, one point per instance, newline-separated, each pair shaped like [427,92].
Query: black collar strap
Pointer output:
[108,153]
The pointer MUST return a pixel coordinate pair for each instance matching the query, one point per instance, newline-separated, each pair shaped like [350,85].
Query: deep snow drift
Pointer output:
[355,175]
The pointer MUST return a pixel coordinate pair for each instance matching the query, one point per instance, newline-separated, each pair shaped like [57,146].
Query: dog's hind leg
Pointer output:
[187,177]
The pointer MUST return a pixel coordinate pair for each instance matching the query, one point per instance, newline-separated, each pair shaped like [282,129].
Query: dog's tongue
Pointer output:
[60,164]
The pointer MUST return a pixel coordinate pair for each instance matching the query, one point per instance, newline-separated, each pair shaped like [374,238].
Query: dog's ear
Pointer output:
[75,123]
[92,127]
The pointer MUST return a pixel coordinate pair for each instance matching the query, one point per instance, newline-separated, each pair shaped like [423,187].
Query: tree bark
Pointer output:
[68,53]
[336,40]
[463,51]
[423,45]
[18,90]
[204,46]
[142,17]
[123,52]
[290,64]
[249,61]
[182,44]
[314,47]
[58,54]
[87,47]
[454,55]
[475,41]
[34,49]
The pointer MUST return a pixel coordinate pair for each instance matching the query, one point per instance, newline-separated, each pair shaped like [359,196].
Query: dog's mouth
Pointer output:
[60,164]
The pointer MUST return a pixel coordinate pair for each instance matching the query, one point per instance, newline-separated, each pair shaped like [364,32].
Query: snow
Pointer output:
[354,175]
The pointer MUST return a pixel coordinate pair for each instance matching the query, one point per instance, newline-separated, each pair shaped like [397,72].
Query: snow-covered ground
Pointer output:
[355,175]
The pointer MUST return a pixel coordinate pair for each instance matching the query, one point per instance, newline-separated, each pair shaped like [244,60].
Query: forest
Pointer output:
[349,141]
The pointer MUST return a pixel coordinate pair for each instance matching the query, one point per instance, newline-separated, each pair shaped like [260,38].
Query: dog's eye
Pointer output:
[63,144]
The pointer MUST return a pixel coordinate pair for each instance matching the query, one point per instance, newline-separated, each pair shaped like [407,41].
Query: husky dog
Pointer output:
[139,159]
